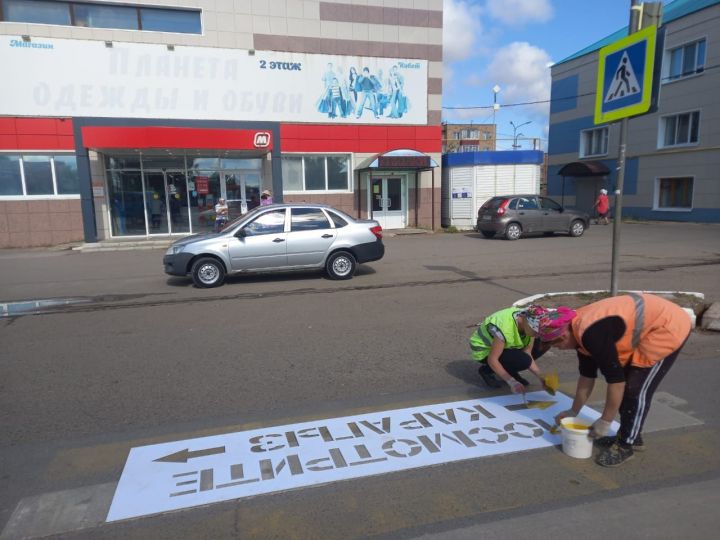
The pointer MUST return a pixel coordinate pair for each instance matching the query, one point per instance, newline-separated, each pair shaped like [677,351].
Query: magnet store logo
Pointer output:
[18,43]
[262,139]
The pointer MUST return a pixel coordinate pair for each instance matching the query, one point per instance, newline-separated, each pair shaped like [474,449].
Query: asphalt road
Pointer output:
[150,358]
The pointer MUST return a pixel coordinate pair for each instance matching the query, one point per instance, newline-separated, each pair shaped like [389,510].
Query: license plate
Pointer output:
[486,218]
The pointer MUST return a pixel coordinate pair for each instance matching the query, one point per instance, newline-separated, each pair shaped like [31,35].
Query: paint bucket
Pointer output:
[576,440]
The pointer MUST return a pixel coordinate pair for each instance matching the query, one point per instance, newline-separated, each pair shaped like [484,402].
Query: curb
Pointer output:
[690,312]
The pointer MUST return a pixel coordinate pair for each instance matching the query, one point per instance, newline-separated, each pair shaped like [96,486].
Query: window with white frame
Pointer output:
[38,175]
[685,60]
[469,148]
[674,193]
[315,173]
[594,142]
[679,129]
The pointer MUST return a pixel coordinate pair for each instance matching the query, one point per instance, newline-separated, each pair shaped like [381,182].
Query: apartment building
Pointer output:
[673,154]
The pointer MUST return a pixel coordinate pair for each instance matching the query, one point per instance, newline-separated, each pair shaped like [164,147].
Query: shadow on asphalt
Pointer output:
[271,277]
[529,236]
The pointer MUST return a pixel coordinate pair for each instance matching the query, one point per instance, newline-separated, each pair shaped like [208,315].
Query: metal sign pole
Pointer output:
[635,9]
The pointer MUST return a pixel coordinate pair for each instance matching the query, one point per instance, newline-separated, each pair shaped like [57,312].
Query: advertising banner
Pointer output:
[64,77]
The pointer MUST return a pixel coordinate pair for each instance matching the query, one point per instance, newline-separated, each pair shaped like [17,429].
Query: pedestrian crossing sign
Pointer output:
[625,76]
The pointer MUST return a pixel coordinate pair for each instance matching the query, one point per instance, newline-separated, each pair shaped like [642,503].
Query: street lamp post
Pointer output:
[516,134]
[496,108]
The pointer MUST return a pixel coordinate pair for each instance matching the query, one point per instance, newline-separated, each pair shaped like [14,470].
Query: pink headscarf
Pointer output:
[555,322]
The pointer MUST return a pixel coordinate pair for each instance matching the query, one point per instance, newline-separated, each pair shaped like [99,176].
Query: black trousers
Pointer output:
[640,385]
[515,360]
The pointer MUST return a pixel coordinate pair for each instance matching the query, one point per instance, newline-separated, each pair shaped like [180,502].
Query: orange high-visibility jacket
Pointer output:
[654,327]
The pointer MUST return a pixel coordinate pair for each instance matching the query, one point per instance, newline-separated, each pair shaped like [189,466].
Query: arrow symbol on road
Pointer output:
[183,455]
[530,405]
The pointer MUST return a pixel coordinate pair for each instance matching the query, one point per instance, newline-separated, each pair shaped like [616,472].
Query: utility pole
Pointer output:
[496,107]
[633,26]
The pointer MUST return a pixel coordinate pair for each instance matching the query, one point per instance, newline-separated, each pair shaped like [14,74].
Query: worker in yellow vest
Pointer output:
[633,340]
[504,344]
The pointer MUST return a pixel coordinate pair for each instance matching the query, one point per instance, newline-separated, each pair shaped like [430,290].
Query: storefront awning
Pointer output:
[584,168]
[403,159]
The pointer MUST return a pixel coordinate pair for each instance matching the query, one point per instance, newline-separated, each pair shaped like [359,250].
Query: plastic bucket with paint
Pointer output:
[576,440]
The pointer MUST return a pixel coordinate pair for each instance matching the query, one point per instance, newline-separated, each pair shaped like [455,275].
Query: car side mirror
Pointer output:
[241,233]
[562,209]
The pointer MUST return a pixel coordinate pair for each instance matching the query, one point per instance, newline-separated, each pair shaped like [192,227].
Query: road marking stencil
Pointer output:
[183,474]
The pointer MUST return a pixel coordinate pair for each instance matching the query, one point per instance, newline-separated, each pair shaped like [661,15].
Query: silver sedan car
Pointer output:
[278,237]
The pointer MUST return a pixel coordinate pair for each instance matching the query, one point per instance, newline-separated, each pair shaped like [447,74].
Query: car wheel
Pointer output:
[577,228]
[207,272]
[513,231]
[341,265]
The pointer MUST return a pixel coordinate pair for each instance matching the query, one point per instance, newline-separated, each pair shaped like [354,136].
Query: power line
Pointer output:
[537,102]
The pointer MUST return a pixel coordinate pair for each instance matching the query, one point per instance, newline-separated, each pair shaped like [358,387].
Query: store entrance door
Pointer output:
[241,191]
[388,202]
[166,201]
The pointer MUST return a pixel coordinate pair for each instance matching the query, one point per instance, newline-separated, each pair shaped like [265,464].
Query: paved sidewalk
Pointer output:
[688,511]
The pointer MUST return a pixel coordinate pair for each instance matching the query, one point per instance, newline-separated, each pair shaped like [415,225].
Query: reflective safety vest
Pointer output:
[654,327]
[481,339]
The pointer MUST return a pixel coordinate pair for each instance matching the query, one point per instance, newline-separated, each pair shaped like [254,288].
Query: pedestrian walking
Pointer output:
[633,340]
[602,204]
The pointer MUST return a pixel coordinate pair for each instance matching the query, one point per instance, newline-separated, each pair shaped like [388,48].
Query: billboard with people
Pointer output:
[135,80]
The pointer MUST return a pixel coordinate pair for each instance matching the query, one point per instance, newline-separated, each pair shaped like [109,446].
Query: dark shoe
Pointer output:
[488,375]
[615,455]
[607,442]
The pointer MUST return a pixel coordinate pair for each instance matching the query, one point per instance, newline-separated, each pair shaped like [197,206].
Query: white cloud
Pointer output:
[461,25]
[519,12]
[521,71]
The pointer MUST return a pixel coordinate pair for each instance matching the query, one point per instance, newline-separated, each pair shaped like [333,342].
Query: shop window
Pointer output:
[66,175]
[36,11]
[122,162]
[101,15]
[337,172]
[10,176]
[594,142]
[674,194]
[38,175]
[679,129]
[292,171]
[106,16]
[686,60]
[315,173]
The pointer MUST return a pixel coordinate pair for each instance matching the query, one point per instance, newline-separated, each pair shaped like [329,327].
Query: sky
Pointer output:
[512,44]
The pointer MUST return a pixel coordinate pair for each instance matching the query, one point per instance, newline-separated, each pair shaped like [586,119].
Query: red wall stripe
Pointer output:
[19,133]
[170,137]
[366,139]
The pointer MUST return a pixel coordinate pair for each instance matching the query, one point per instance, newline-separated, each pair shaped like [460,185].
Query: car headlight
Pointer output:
[174,250]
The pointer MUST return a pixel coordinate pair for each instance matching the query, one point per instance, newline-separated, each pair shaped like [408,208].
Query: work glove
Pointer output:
[601,428]
[565,414]
[515,386]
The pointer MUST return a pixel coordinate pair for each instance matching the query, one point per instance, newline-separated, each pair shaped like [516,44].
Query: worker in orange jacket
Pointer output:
[633,340]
